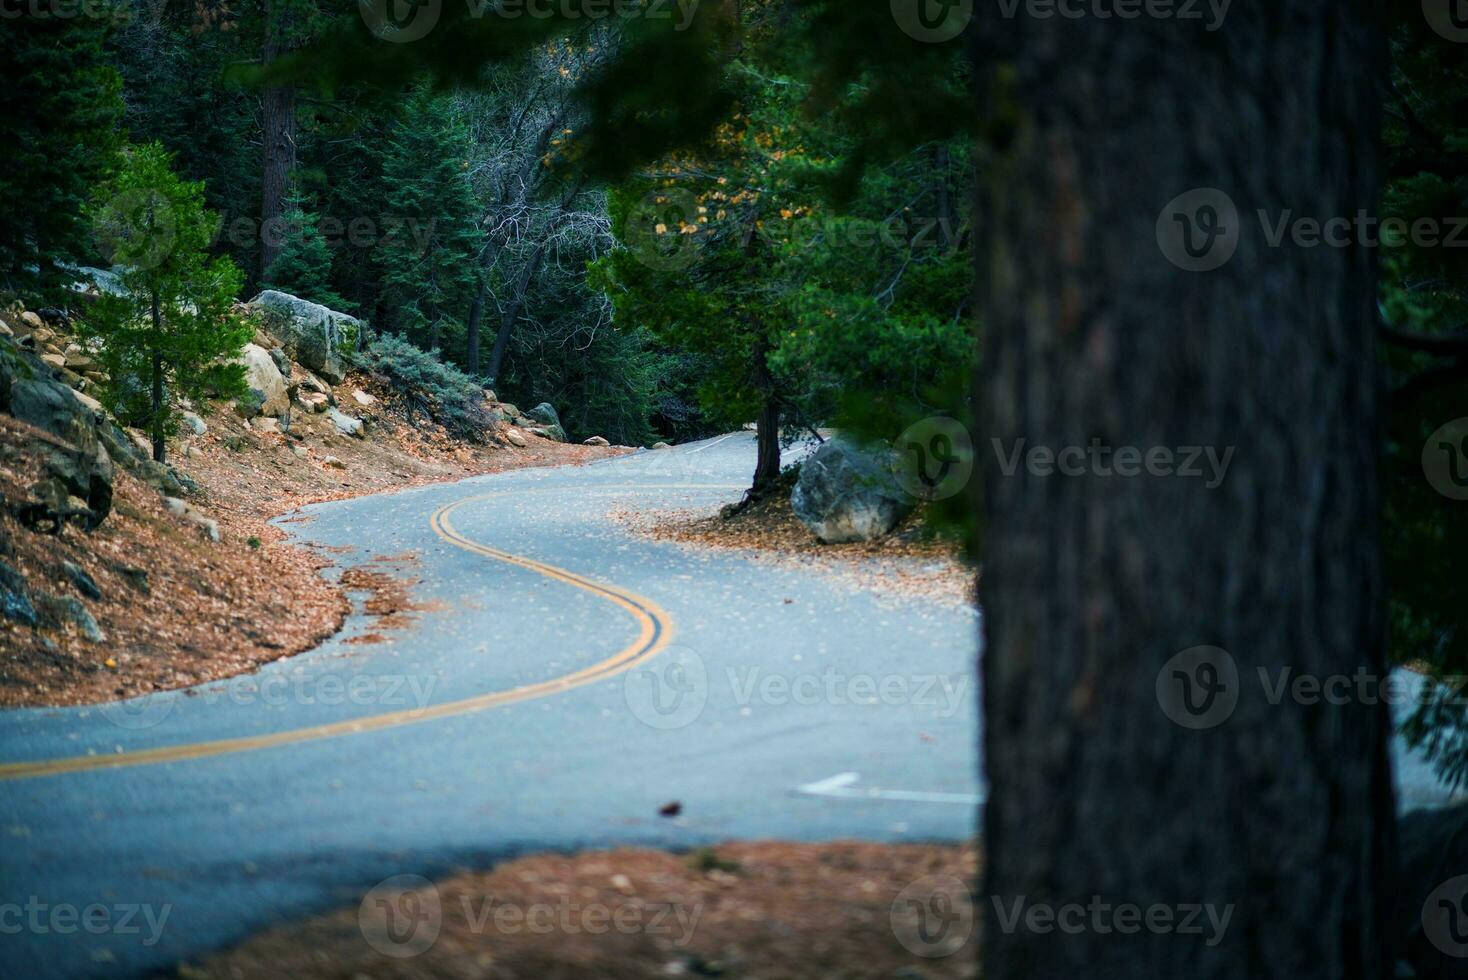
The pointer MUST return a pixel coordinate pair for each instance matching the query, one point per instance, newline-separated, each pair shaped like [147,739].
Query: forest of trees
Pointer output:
[787,212]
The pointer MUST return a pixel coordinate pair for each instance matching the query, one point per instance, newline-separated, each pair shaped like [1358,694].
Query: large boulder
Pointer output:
[265,381]
[79,459]
[312,334]
[545,414]
[848,493]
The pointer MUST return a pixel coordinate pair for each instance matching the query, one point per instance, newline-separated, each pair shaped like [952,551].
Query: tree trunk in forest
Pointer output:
[512,311]
[766,426]
[767,441]
[277,138]
[1118,772]
[160,451]
[471,328]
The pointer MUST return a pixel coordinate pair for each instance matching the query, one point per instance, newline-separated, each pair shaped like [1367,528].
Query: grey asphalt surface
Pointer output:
[786,704]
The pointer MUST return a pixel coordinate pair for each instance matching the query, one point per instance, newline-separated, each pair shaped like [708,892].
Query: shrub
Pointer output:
[429,387]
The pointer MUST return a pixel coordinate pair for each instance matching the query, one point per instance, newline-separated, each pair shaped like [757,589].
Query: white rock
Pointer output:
[345,424]
[362,398]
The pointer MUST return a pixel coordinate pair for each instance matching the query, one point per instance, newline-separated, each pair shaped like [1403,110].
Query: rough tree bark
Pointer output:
[1093,583]
[277,138]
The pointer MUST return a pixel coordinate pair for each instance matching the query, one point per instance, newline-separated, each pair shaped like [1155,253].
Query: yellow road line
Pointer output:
[655,631]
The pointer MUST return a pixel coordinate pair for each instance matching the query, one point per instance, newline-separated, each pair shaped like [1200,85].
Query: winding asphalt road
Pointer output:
[564,681]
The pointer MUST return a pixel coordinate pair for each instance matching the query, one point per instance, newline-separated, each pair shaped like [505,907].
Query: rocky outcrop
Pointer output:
[848,493]
[312,334]
[269,395]
[77,460]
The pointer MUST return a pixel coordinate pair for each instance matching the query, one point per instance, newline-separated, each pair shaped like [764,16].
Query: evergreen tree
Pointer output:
[172,328]
[303,267]
[59,113]
[428,248]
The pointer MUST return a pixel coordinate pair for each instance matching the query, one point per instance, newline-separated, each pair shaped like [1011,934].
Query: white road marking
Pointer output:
[840,787]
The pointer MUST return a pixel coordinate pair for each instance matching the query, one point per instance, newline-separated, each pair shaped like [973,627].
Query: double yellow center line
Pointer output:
[655,630]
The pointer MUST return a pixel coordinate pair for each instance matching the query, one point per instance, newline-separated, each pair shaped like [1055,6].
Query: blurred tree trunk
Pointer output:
[277,137]
[1093,583]
[766,426]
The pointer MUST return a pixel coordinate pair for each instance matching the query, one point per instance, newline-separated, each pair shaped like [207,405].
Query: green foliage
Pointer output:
[428,387]
[427,265]
[173,330]
[303,267]
[1424,293]
[59,112]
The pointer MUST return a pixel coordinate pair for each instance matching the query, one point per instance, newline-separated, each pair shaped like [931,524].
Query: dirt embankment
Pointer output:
[170,607]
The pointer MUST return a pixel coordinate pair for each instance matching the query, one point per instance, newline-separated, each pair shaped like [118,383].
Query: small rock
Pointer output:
[15,600]
[333,462]
[362,398]
[187,512]
[514,437]
[136,577]
[345,424]
[671,809]
[661,445]
[194,423]
[33,320]
[54,360]
[489,396]
[84,583]
[596,441]
[299,452]
[59,610]
[267,423]
[313,401]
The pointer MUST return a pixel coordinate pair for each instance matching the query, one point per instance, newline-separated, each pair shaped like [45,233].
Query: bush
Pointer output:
[428,386]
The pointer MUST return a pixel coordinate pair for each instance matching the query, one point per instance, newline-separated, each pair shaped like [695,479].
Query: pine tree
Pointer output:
[172,328]
[303,267]
[59,114]
[429,242]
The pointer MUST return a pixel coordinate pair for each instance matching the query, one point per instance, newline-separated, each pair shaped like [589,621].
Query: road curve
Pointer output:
[565,679]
